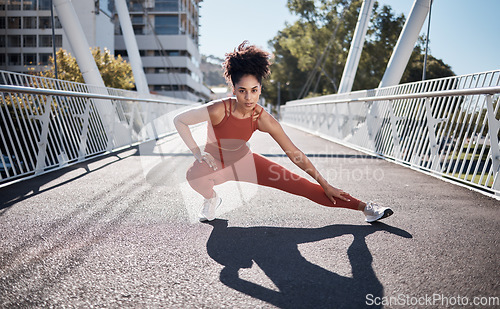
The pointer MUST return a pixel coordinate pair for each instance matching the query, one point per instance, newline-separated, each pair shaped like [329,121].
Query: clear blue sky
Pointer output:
[464,33]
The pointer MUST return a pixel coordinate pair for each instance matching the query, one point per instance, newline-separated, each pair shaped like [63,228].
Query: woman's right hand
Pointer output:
[334,193]
[207,158]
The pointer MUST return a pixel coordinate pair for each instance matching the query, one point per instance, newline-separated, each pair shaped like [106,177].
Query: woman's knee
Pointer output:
[197,170]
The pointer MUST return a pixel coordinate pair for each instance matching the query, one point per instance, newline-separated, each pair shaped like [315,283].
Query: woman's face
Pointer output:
[247,91]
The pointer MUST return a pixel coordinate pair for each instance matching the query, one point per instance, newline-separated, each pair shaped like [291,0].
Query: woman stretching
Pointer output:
[226,156]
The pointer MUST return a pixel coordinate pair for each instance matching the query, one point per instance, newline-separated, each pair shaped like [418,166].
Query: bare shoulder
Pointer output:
[212,111]
[267,123]
[215,106]
[217,110]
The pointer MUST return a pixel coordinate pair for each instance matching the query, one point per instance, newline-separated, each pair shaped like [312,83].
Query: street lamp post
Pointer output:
[53,38]
[279,94]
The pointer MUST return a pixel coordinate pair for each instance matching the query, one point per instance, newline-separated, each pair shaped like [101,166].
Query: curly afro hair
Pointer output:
[246,60]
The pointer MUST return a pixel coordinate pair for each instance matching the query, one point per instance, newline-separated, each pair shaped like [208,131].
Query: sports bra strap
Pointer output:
[227,110]
[256,120]
[260,113]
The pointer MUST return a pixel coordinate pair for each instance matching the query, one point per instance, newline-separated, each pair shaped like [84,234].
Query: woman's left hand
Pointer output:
[334,194]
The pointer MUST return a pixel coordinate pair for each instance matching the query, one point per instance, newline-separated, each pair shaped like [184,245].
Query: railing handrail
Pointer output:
[32,90]
[47,124]
[446,127]
[429,94]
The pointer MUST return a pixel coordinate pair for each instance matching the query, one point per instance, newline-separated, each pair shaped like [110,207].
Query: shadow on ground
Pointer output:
[301,283]
[24,189]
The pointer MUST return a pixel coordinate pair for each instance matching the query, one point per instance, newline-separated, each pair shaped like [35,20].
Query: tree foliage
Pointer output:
[115,72]
[310,54]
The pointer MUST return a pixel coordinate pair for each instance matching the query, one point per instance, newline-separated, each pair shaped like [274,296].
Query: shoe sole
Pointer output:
[205,219]
[387,213]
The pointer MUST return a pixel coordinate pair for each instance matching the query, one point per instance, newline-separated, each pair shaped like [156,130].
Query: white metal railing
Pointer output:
[447,127]
[46,124]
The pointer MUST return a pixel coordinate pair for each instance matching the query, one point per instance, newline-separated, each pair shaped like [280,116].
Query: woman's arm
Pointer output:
[268,124]
[212,112]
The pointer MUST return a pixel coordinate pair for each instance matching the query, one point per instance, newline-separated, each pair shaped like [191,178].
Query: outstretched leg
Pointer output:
[270,174]
[257,169]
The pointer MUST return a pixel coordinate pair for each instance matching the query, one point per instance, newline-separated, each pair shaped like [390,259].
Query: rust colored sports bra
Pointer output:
[227,141]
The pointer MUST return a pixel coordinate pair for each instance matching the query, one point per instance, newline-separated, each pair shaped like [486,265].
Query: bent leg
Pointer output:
[203,178]
[200,177]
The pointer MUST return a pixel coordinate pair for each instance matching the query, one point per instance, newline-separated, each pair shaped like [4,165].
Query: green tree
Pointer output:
[116,72]
[309,55]
[436,68]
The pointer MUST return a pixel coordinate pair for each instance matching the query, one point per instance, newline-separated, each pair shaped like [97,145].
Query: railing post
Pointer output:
[110,127]
[431,124]
[373,125]
[493,128]
[394,130]
[85,129]
[42,143]
[150,120]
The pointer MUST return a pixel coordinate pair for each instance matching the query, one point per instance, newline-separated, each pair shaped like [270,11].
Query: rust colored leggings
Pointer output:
[254,168]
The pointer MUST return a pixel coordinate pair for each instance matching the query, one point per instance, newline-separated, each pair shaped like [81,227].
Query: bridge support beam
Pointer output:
[78,41]
[356,47]
[406,42]
[86,63]
[132,48]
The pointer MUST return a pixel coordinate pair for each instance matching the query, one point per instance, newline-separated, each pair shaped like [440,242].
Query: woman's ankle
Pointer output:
[361,206]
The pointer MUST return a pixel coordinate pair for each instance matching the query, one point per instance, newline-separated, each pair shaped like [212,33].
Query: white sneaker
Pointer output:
[209,206]
[374,212]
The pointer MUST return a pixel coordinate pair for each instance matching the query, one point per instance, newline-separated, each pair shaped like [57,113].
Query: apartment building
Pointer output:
[167,35]
[26,31]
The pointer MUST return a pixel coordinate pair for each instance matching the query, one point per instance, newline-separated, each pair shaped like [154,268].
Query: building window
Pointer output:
[135,6]
[57,23]
[167,87]
[119,52]
[29,22]
[14,22]
[2,41]
[170,70]
[2,22]
[138,29]
[29,59]
[2,59]
[15,5]
[46,41]
[29,40]
[45,22]
[14,59]
[167,5]
[29,5]
[167,24]
[14,41]
[137,20]
[44,4]
[171,53]
[58,40]
[44,58]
